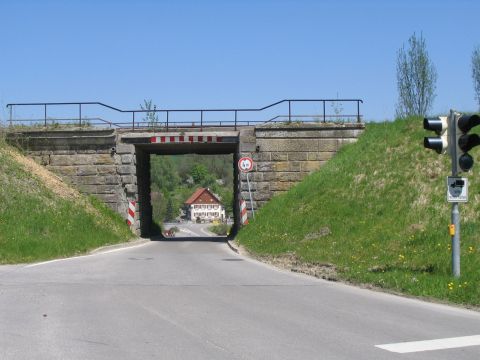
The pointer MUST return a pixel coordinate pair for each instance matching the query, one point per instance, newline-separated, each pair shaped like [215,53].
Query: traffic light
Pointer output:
[440,126]
[465,141]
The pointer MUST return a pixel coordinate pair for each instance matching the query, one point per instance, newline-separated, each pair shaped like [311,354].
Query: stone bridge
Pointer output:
[114,165]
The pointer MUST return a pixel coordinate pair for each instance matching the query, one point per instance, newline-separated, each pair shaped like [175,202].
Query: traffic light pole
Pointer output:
[455,207]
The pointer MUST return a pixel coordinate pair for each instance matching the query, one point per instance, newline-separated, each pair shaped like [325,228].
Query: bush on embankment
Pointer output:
[377,213]
[42,218]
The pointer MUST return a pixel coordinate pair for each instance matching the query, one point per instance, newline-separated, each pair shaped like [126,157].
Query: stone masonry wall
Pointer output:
[101,163]
[92,162]
[283,156]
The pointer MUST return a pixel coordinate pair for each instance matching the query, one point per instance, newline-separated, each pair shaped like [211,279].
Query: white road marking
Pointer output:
[428,345]
[85,256]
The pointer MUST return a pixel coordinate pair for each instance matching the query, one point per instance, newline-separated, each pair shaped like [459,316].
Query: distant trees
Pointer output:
[175,177]
[416,78]
[476,73]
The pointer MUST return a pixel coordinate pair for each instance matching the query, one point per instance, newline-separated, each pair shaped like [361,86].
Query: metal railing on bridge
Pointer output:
[235,117]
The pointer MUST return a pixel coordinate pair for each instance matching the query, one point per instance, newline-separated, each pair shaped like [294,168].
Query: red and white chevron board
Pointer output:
[131,213]
[243,212]
[185,139]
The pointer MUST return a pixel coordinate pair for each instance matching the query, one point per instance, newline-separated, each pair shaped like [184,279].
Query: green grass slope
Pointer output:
[378,212]
[37,224]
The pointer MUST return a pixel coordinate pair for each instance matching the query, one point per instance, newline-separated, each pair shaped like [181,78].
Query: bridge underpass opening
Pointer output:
[165,181]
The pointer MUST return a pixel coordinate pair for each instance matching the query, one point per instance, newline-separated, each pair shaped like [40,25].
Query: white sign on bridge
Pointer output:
[245,164]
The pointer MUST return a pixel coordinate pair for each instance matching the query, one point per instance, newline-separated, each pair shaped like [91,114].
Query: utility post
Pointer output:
[453,139]
[455,231]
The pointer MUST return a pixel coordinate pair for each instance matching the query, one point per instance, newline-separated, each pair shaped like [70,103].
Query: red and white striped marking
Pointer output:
[185,139]
[131,213]
[243,212]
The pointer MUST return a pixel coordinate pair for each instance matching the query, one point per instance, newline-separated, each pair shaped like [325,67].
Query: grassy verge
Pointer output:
[377,213]
[220,229]
[36,224]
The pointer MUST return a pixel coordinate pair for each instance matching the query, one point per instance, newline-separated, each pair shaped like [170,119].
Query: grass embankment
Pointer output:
[378,213]
[40,221]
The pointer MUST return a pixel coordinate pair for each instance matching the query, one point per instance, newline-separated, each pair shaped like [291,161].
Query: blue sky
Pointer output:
[210,54]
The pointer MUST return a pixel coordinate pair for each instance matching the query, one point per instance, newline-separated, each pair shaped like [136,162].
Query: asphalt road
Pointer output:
[190,229]
[199,300]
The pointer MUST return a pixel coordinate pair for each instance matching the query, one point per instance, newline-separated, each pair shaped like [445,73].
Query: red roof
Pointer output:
[198,193]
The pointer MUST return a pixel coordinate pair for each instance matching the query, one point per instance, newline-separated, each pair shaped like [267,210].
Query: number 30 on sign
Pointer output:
[245,164]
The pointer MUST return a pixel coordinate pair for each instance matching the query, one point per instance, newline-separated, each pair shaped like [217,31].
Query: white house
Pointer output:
[204,206]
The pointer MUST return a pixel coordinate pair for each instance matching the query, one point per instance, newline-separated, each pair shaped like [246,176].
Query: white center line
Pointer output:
[428,345]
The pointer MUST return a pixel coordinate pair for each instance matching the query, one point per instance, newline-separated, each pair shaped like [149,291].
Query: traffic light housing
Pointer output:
[465,142]
[441,127]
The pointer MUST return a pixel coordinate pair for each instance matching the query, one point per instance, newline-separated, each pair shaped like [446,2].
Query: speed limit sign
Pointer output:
[245,164]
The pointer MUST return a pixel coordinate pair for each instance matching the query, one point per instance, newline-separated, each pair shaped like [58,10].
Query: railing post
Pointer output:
[133,120]
[324,119]
[11,119]
[289,113]
[167,120]
[235,119]
[201,120]
[45,115]
[80,114]
[358,111]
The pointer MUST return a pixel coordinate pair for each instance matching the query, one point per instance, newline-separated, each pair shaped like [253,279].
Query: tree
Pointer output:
[476,73]
[170,212]
[151,117]
[416,79]
[199,173]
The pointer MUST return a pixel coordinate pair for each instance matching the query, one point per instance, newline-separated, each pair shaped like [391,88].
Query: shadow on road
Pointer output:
[187,238]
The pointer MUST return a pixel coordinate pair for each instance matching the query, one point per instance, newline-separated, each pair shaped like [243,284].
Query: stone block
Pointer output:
[86,170]
[269,176]
[265,166]
[90,180]
[107,189]
[103,159]
[41,159]
[279,156]
[127,159]
[281,185]
[125,149]
[112,179]
[287,145]
[257,176]
[247,147]
[248,139]
[108,198]
[323,156]
[310,166]
[87,189]
[126,169]
[298,156]
[316,133]
[286,166]
[289,176]
[63,170]
[346,141]
[131,188]
[68,160]
[106,169]
[255,186]
[128,179]
[246,132]
[260,156]
[327,145]
[261,195]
